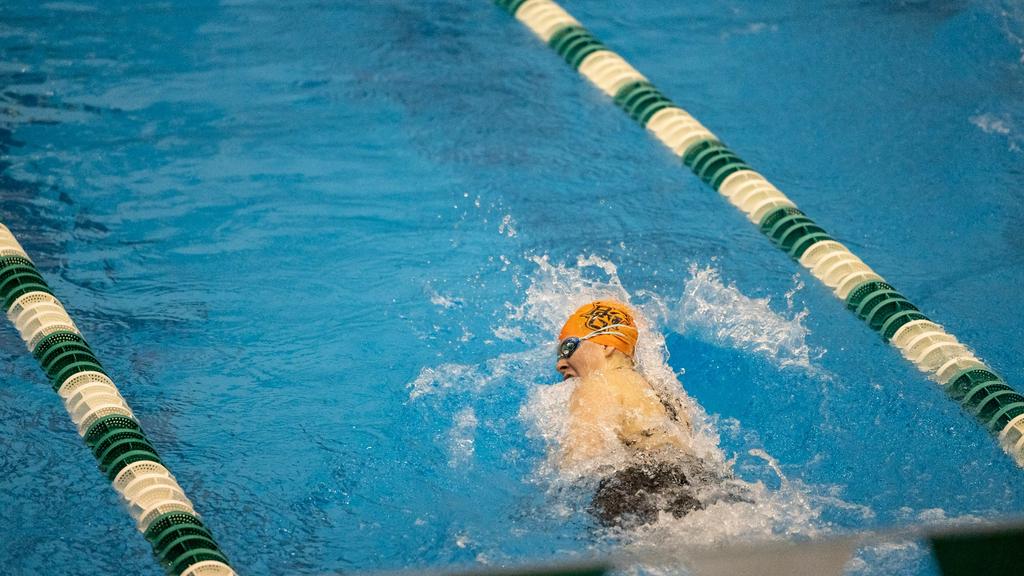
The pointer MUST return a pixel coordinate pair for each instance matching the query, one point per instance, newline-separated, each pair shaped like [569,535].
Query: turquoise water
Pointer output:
[322,250]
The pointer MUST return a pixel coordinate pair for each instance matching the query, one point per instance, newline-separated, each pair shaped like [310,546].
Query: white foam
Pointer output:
[461,438]
[509,333]
[1000,125]
[445,377]
[555,291]
[724,316]
[462,378]
[507,227]
[446,302]
[544,413]
[990,124]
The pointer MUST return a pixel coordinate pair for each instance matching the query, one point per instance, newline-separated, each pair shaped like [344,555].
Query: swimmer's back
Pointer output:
[620,407]
[645,424]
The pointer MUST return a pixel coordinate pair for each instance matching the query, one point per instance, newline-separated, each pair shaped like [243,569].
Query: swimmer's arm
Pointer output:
[594,414]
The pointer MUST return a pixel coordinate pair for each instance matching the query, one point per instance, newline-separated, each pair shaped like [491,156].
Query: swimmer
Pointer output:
[613,410]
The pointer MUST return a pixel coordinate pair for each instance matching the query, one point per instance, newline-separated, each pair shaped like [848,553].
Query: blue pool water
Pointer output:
[323,248]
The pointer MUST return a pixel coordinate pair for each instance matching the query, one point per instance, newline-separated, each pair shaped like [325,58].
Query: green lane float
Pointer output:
[966,379]
[157,504]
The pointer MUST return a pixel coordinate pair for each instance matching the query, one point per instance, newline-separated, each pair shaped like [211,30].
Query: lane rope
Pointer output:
[163,513]
[979,390]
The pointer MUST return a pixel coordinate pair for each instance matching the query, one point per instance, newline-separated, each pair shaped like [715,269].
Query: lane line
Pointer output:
[162,512]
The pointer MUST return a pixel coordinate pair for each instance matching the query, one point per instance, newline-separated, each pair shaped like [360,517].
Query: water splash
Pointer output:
[445,302]
[461,438]
[460,379]
[790,508]
[991,124]
[723,315]
[445,377]
[793,509]
[1001,124]
[507,227]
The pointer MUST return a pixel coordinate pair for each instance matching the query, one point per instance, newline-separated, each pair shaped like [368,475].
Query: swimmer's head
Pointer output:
[593,335]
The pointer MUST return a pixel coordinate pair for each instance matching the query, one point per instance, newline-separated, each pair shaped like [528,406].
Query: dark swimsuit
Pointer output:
[651,484]
[636,494]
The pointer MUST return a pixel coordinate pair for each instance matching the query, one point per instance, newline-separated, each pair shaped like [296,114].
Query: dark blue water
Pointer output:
[305,240]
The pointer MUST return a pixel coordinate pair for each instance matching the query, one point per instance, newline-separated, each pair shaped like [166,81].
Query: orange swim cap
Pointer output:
[604,314]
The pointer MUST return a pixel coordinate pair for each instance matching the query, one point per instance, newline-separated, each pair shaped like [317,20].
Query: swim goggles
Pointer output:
[567,347]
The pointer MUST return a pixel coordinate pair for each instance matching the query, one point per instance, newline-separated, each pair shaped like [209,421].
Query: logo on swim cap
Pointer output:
[602,316]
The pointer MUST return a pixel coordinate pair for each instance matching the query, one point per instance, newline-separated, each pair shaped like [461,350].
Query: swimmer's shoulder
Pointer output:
[633,386]
[643,394]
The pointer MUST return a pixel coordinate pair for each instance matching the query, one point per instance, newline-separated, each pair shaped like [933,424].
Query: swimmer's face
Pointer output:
[587,358]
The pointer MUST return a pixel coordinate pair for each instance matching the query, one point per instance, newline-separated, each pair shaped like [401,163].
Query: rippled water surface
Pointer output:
[323,249]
